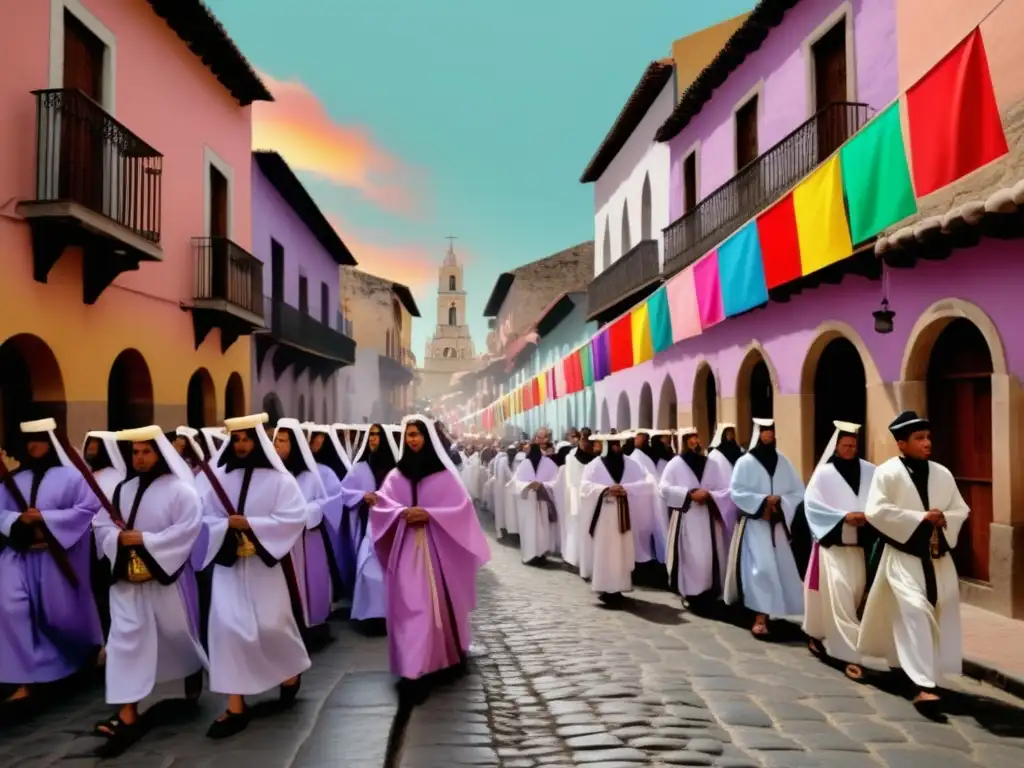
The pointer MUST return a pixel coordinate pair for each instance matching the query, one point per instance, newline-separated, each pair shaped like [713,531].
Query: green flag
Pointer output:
[588,371]
[660,320]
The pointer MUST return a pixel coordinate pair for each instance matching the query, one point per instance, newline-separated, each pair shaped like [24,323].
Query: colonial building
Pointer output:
[380,385]
[450,350]
[306,340]
[125,149]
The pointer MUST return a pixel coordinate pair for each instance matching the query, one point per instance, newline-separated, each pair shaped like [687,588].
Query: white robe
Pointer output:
[107,479]
[650,530]
[535,527]
[572,530]
[899,623]
[613,550]
[254,640]
[503,519]
[830,613]
[151,639]
[689,533]
[761,561]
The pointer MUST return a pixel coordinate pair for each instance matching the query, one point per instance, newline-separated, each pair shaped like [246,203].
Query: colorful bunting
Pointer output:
[741,272]
[821,223]
[709,294]
[620,344]
[541,384]
[600,356]
[876,177]
[586,366]
[780,245]
[640,335]
[955,126]
[535,392]
[682,302]
[660,320]
[558,383]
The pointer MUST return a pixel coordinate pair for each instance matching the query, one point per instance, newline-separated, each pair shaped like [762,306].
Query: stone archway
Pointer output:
[272,407]
[622,413]
[668,406]
[755,392]
[31,387]
[201,400]
[705,403]
[606,418]
[129,392]
[234,397]
[645,416]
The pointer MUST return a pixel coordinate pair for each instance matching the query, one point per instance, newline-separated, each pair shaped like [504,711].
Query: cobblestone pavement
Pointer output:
[343,718]
[562,681]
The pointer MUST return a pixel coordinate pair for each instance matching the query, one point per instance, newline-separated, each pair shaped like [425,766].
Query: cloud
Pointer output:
[409,264]
[298,126]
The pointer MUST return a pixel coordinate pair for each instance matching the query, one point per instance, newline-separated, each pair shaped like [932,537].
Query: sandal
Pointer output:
[760,630]
[815,648]
[228,724]
[108,728]
[122,735]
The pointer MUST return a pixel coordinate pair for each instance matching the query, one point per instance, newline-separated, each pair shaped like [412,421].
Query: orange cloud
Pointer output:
[298,126]
[411,265]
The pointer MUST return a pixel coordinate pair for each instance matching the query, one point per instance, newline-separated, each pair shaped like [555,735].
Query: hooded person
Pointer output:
[103,456]
[256,606]
[214,439]
[836,579]
[154,603]
[578,550]
[309,556]
[504,509]
[536,498]
[612,489]
[49,624]
[912,613]
[763,572]
[333,464]
[427,534]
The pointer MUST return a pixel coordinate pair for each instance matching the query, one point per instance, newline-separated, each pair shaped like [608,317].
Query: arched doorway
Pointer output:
[129,392]
[301,414]
[201,402]
[755,395]
[840,392]
[31,387]
[234,397]
[606,418]
[622,420]
[705,403]
[668,406]
[272,407]
[646,415]
[959,387]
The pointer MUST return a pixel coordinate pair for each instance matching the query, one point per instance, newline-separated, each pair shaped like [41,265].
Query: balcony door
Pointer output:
[746,192]
[223,272]
[82,120]
[829,54]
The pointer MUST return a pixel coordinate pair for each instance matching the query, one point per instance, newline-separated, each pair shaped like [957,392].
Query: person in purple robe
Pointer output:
[49,625]
[425,528]
[333,464]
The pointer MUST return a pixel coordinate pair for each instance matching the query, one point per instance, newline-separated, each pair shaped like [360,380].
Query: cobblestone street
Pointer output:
[561,681]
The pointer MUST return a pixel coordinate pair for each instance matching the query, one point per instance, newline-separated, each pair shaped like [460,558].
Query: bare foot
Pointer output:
[760,628]
[18,695]
[854,672]
[925,697]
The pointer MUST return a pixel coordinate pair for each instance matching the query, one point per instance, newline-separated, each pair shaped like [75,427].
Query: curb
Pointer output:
[992,674]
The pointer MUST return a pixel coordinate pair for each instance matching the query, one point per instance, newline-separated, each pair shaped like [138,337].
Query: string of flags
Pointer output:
[953,127]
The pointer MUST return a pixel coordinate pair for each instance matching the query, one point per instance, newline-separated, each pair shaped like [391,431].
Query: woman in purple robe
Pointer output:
[49,624]
[425,529]
[333,464]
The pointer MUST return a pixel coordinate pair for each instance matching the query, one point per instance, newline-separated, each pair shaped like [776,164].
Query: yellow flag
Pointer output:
[821,225]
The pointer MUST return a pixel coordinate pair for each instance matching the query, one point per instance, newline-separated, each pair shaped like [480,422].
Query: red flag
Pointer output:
[955,126]
[535,391]
[620,343]
[568,373]
[780,247]
[552,387]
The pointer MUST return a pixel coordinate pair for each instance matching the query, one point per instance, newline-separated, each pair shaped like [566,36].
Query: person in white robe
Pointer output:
[255,604]
[154,633]
[561,532]
[535,496]
[505,519]
[578,549]
[836,579]
[214,439]
[912,614]
[487,494]
[101,453]
[762,571]
[723,453]
[611,490]
[698,527]
[652,544]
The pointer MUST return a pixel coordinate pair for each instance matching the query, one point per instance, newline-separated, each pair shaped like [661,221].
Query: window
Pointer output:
[303,295]
[451,283]
[325,304]
[218,203]
[453,316]
[690,182]
[276,270]
[746,133]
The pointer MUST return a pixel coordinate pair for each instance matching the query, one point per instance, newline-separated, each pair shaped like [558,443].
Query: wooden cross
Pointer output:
[451,242]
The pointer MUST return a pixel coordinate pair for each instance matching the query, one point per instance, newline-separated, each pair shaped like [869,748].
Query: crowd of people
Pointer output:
[176,558]
[860,557]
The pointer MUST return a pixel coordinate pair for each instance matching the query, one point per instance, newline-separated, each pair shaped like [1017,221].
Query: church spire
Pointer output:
[449,259]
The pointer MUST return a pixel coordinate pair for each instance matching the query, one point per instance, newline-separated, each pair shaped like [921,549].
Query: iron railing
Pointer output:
[85,156]
[635,269]
[760,183]
[298,329]
[226,271]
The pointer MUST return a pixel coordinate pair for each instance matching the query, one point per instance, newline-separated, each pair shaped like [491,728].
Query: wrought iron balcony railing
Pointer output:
[85,156]
[760,183]
[227,272]
[298,329]
[636,269]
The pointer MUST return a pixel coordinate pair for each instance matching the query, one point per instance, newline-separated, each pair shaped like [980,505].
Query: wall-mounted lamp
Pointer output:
[883,318]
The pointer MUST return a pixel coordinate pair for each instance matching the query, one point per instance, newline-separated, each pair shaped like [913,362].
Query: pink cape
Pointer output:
[430,571]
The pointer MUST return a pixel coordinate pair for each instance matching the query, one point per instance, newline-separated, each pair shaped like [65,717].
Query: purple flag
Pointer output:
[600,354]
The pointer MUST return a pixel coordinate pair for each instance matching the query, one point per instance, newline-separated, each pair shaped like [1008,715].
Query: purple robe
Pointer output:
[49,628]
[357,483]
[431,570]
[369,597]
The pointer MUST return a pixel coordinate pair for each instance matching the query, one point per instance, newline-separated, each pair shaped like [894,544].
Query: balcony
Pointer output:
[760,183]
[228,291]
[98,187]
[396,366]
[301,342]
[635,275]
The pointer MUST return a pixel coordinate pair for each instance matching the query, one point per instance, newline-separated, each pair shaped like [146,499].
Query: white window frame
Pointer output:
[212,160]
[844,11]
[758,91]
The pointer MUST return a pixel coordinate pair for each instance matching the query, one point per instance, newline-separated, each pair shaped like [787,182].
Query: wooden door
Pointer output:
[690,182]
[747,192]
[960,409]
[222,268]
[82,120]
[830,89]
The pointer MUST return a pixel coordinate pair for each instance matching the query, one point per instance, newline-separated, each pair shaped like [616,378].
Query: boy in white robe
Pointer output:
[154,635]
[535,495]
[610,490]
[836,579]
[255,604]
[762,571]
[912,614]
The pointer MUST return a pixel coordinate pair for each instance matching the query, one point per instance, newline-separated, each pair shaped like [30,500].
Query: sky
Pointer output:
[412,120]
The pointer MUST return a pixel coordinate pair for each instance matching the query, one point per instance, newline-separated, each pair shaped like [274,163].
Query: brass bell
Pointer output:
[138,571]
[245,546]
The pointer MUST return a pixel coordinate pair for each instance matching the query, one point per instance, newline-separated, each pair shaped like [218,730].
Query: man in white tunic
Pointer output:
[912,614]
[762,572]
[255,514]
[154,634]
[611,489]
[580,548]
[503,516]
[535,494]
[834,586]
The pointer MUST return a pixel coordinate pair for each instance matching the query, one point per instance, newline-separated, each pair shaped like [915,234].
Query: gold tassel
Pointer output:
[245,546]
[138,571]
[935,544]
